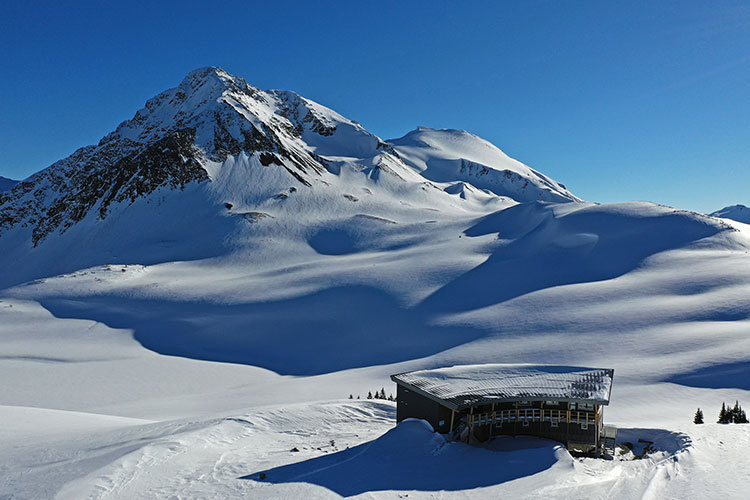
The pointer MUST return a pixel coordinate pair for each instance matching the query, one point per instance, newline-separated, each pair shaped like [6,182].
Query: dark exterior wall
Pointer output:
[409,404]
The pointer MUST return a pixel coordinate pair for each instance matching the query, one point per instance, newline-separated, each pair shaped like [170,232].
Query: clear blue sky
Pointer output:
[617,100]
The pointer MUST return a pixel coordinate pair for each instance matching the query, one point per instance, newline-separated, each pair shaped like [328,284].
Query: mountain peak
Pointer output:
[444,155]
[253,147]
[740,213]
[214,75]
[207,71]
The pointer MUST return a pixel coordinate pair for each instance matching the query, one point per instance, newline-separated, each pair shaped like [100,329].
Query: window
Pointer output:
[550,403]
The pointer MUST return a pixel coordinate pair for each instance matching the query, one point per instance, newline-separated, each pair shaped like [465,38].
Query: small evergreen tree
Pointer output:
[351,396]
[741,418]
[723,415]
[369,395]
[382,393]
[698,419]
[734,414]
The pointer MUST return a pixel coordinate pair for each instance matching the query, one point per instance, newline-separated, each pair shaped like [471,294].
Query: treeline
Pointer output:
[378,395]
[734,415]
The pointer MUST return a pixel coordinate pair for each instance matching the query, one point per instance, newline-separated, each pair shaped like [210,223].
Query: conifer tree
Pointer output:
[369,395]
[382,393]
[735,415]
[698,419]
[722,415]
[742,417]
[351,396]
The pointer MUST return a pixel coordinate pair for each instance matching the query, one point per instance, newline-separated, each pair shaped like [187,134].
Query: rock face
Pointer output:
[187,135]
[740,213]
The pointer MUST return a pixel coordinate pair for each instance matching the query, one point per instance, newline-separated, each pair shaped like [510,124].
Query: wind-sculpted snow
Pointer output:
[572,245]
[333,298]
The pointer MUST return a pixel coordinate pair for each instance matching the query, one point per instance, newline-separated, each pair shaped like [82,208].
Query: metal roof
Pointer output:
[463,386]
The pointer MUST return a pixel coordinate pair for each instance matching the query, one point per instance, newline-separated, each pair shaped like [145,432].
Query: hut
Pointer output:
[563,403]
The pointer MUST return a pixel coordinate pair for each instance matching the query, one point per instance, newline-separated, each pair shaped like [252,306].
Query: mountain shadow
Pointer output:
[326,331]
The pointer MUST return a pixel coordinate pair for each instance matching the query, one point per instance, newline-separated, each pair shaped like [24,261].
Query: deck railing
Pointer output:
[526,416]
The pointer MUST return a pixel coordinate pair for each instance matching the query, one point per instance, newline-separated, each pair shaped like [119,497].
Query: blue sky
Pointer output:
[617,100]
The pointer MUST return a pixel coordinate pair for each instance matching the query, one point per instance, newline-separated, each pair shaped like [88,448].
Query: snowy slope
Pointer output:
[175,304]
[740,213]
[6,184]
[338,449]
[457,155]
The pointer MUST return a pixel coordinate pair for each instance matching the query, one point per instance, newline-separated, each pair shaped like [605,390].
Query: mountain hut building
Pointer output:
[563,403]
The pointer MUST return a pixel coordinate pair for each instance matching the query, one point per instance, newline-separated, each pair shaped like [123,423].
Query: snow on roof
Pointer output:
[463,386]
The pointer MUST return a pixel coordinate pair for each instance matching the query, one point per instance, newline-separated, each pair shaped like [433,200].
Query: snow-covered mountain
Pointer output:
[456,156]
[740,213]
[216,153]
[180,304]
[6,184]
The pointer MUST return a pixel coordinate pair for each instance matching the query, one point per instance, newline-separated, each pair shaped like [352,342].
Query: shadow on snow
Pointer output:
[412,457]
[545,250]
[355,326]
[327,331]
[721,376]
